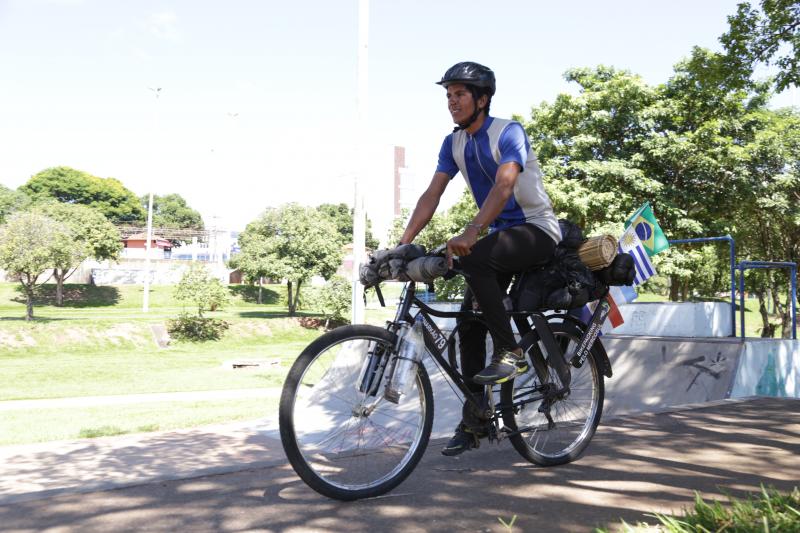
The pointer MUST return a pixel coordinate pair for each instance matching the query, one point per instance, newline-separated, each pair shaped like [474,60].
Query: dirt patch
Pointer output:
[16,340]
[121,333]
[251,329]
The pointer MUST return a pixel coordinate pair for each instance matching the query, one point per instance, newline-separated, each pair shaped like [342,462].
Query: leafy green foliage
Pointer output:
[334,300]
[11,201]
[342,217]
[291,242]
[199,287]
[68,185]
[85,233]
[196,328]
[172,211]
[30,243]
[770,35]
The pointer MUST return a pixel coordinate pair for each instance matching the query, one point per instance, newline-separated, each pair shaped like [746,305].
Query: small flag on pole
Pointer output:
[647,229]
[629,242]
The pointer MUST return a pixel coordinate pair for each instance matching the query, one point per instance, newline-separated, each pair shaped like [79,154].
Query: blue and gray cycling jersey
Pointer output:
[479,156]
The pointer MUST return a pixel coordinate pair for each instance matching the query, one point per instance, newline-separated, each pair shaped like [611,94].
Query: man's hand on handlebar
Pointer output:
[461,245]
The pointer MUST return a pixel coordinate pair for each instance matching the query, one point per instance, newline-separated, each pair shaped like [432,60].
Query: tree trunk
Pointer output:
[767,329]
[29,302]
[260,280]
[290,295]
[59,275]
[297,302]
[786,317]
[674,288]
[685,291]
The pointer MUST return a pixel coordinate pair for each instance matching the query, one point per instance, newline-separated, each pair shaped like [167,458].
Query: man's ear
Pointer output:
[482,101]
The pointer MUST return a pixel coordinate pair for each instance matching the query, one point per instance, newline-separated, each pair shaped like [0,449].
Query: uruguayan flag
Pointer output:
[629,242]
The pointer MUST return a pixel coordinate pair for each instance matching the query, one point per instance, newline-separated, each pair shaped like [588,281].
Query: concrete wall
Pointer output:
[162,272]
[768,367]
[676,319]
[653,373]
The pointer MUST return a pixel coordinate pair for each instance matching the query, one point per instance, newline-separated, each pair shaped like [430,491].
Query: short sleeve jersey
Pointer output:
[479,156]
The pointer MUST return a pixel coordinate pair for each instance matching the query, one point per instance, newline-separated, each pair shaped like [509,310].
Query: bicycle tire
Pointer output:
[576,416]
[332,445]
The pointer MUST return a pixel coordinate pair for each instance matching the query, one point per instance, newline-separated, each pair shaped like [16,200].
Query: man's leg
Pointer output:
[502,253]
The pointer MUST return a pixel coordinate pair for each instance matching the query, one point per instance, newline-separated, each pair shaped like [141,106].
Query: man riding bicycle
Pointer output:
[501,171]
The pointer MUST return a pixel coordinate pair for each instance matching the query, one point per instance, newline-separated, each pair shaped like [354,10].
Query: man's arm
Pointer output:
[499,194]
[426,207]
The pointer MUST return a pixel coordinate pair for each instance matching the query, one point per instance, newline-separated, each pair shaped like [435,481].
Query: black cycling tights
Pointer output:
[488,270]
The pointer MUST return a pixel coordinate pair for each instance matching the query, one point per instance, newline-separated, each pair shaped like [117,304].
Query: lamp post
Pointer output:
[359,224]
[146,295]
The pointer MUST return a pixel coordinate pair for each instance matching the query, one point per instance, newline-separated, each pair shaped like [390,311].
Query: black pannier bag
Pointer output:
[566,282]
[621,271]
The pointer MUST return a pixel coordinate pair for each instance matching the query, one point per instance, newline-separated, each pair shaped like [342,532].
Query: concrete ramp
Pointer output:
[654,373]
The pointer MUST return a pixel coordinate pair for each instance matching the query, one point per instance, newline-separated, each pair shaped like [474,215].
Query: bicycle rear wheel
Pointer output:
[575,415]
[344,443]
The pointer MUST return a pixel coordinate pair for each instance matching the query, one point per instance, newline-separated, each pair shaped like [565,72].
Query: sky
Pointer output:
[258,99]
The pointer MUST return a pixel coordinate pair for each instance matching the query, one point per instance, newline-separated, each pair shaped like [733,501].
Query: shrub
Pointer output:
[333,300]
[196,328]
[199,287]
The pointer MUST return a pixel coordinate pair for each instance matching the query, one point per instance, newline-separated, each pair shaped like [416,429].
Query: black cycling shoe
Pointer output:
[505,366]
[464,439]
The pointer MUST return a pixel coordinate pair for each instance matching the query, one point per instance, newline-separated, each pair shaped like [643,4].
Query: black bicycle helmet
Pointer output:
[470,73]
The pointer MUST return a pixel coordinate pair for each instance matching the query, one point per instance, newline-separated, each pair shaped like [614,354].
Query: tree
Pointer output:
[27,246]
[68,185]
[334,299]
[85,233]
[768,227]
[199,287]
[172,211]
[254,259]
[771,36]
[342,218]
[11,201]
[292,243]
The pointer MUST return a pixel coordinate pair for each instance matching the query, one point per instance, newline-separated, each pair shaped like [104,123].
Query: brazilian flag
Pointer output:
[648,230]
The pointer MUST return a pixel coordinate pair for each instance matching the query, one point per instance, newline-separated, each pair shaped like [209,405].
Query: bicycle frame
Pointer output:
[437,343]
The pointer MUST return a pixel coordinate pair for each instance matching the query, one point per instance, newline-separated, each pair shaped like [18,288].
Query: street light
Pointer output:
[146,295]
[359,224]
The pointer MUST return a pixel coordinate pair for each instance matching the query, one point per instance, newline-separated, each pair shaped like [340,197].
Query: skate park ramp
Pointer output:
[655,373]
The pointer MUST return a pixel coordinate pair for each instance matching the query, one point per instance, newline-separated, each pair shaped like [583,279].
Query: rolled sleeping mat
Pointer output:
[598,252]
[426,269]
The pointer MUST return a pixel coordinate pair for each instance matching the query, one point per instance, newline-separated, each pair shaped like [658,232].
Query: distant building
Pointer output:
[135,247]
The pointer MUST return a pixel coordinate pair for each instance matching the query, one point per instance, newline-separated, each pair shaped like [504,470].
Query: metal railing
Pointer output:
[746,265]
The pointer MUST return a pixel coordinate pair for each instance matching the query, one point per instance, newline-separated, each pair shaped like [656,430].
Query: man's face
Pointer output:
[460,102]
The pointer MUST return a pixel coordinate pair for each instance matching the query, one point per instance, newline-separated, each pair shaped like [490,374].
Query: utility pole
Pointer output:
[359,223]
[146,295]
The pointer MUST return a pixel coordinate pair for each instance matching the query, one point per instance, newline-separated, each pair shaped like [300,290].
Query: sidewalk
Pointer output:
[635,465]
[34,471]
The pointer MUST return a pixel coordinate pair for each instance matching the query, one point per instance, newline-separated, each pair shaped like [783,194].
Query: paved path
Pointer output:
[634,465]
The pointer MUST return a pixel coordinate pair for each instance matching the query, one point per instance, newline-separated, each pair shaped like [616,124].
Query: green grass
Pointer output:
[769,510]
[27,426]
[101,343]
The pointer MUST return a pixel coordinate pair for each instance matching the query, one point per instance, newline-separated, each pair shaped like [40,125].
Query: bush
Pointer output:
[199,287]
[333,300]
[196,328]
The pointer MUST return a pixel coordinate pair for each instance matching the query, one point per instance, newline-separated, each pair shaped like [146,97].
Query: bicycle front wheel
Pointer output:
[573,416]
[344,442]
